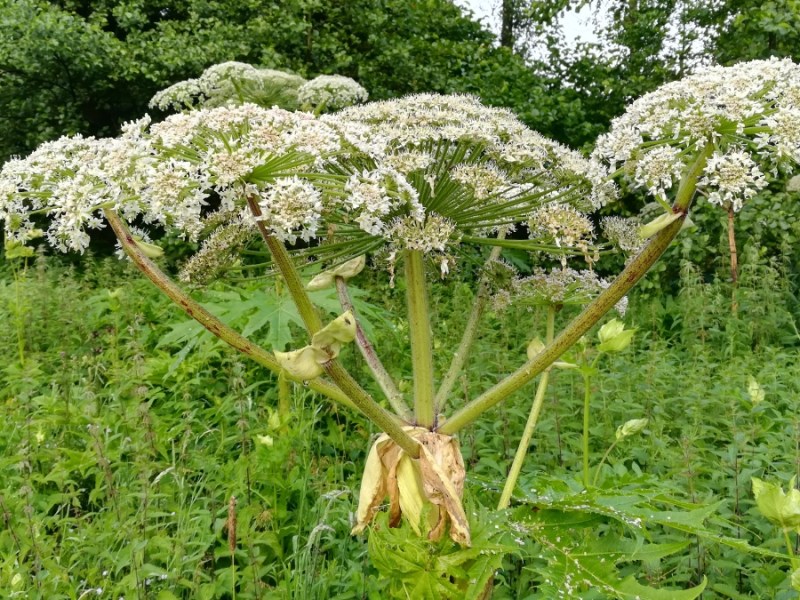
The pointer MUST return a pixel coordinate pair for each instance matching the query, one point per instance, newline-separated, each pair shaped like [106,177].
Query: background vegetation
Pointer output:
[125,434]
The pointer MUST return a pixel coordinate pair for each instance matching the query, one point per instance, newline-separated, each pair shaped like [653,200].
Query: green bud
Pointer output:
[346,270]
[779,507]
[534,347]
[754,390]
[657,224]
[614,337]
[15,249]
[631,427]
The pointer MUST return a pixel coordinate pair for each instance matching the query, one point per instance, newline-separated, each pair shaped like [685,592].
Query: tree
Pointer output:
[89,65]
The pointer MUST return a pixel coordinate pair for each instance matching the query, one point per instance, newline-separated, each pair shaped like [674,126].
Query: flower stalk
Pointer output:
[376,367]
[205,318]
[365,403]
[421,346]
[590,315]
[533,418]
[468,337]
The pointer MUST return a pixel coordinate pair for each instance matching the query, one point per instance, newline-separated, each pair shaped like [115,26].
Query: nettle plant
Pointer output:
[410,186]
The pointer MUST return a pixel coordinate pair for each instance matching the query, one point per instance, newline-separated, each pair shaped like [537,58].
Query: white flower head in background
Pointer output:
[750,112]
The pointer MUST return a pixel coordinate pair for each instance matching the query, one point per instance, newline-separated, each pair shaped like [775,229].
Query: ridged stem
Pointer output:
[379,372]
[530,425]
[419,325]
[365,403]
[468,337]
[593,312]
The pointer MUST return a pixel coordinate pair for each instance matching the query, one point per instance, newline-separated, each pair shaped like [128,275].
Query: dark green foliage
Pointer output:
[85,67]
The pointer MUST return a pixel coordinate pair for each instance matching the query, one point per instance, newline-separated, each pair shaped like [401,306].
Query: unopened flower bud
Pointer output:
[614,337]
[631,427]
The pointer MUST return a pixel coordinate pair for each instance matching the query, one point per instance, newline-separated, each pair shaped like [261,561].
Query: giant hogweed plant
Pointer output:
[411,184]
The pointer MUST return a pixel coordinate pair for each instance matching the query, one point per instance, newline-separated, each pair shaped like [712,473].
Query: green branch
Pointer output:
[468,337]
[530,425]
[379,372]
[205,318]
[365,403]
[593,312]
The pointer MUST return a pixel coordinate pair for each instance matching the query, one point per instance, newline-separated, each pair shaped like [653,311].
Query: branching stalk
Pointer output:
[421,346]
[365,403]
[205,318]
[530,425]
[468,337]
[379,372]
[590,315]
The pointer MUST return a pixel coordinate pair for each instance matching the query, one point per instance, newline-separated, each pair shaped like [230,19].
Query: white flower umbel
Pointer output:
[749,112]
[331,92]
[731,179]
[169,172]
[231,83]
[450,164]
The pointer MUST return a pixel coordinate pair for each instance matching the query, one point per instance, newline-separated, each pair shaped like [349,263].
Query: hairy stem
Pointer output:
[308,313]
[365,403]
[468,337]
[205,318]
[590,315]
[530,425]
[379,372]
[421,346]
[734,259]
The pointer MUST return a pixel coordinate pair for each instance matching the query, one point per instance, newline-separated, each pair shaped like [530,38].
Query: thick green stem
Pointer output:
[590,315]
[365,403]
[205,318]
[468,337]
[379,372]
[308,313]
[376,413]
[530,425]
[419,325]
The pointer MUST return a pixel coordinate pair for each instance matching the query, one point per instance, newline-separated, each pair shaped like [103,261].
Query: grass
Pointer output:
[119,454]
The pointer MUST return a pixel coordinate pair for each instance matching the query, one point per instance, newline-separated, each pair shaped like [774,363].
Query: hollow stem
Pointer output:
[468,337]
[421,346]
[379,372]
[734,258]
[308,313]
[530,425]
[590,315]
[205,318]
[365,403]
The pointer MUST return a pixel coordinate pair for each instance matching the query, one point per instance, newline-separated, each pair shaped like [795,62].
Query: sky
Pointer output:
[578,26]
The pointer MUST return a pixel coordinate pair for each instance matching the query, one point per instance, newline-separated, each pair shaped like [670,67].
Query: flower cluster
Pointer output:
[559,287]
[750,112]
[231,83]
[331,92]
[445,167]
[421,173]
[169,173]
